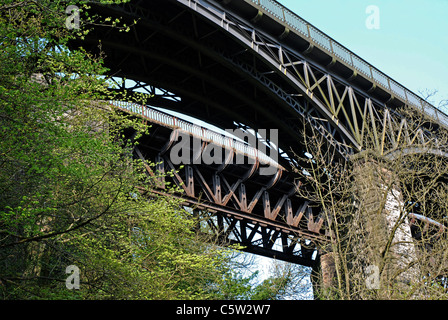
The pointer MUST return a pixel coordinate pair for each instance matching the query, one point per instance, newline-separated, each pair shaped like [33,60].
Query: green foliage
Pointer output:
[70,192]
[68,183]
[270,289]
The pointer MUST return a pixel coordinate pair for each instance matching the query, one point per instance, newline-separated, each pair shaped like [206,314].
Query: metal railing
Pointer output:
[335,49]
[200,132]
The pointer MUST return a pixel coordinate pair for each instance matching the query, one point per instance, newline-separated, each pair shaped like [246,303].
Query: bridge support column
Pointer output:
[383,244]
[323,276]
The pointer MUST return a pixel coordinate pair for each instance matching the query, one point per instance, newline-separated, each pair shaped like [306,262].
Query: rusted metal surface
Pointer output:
[427,221]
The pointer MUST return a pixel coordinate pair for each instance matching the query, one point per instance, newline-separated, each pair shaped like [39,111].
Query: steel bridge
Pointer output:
[254,64]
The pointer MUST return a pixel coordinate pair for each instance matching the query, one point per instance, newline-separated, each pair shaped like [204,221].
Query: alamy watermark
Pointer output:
[373,278]
[72,281]
[190,149]
[73,20]
[373,18]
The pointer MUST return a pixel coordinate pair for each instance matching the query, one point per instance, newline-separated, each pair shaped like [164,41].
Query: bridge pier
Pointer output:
[323,275]
[383,248]
[377,254]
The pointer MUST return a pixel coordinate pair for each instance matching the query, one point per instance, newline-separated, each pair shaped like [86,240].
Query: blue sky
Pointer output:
[411,44]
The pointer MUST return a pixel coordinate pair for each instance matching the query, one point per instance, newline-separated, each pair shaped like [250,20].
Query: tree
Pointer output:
[287,282]
[385,212]
[71,194]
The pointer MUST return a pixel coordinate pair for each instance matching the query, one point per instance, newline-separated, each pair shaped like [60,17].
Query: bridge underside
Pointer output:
[247,70]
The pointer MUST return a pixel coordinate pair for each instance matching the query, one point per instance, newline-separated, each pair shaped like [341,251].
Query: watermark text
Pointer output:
[72,281]
[373,18]
[73,20]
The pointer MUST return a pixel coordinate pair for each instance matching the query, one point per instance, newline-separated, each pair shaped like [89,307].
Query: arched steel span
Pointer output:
[237,61]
